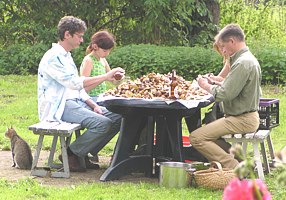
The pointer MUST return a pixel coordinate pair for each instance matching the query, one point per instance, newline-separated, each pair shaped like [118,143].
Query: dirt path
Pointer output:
[91,176]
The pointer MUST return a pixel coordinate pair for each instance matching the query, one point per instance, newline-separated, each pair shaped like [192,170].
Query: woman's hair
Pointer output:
[216,45]
[71,24]
[218,49]
[103,39]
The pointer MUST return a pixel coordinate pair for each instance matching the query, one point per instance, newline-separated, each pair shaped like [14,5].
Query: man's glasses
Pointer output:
[79,35]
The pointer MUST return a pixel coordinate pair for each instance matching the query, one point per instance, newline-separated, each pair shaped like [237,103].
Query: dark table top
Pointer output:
[127,105]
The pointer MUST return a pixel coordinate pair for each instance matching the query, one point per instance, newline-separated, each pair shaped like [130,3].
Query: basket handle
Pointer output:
[216,165]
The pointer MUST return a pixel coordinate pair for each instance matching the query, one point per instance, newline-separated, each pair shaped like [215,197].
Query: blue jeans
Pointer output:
[99,129]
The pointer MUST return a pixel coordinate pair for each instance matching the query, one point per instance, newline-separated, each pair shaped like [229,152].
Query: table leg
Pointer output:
[122,162]
[162,152]
[174,130]
[194,121]
[162,147]
[150,142]
[169,145]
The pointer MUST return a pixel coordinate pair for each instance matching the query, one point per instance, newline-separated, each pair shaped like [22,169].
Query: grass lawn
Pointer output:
[18,105]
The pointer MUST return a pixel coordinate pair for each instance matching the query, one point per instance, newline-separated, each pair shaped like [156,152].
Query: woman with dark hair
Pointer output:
[95,63]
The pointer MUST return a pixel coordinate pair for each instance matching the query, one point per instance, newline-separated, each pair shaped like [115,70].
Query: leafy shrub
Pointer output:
[138,60]
[78,54]
[260,20]
[21,59]
[272,60]
[142,59]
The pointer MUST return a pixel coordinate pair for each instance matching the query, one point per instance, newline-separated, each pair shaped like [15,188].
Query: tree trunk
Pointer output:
[211,18]
[213,7]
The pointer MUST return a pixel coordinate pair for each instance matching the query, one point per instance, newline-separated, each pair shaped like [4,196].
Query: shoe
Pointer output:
[73,163]
[89,164]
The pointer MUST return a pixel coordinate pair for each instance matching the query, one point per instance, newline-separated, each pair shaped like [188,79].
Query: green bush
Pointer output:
[21,59]
[138,60]
[272,60]
[142,59]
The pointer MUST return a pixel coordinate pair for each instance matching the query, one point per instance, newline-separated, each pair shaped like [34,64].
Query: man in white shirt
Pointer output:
[62,95]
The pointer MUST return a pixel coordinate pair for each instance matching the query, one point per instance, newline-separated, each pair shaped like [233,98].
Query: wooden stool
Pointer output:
[64,132]
[255,138]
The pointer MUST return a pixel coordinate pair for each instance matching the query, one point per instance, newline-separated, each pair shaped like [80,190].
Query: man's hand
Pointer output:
[96,108]
[203,83]
[213,80]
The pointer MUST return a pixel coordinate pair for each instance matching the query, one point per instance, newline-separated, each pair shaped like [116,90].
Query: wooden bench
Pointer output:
[57,130]
[255,138]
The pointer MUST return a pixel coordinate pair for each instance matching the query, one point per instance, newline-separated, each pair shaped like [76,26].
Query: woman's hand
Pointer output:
[115,74]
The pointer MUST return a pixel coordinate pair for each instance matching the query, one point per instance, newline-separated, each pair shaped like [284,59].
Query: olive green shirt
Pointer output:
[240,91]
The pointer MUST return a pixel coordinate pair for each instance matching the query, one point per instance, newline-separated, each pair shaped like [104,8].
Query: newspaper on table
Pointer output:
[187,103]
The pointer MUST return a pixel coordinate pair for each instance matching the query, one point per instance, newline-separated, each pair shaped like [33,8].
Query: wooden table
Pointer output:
[143,118]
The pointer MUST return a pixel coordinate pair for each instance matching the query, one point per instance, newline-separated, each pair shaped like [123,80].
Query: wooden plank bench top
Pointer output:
[63,131]
[255,139]
[260,135]
[54,128]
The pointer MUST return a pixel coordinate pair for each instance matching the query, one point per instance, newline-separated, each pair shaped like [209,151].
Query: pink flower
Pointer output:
[245,190]
[263,189]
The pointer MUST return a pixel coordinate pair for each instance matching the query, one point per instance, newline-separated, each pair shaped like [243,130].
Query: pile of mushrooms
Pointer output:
[155,85]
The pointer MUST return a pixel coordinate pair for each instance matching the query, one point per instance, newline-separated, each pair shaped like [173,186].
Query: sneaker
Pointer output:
[73,163]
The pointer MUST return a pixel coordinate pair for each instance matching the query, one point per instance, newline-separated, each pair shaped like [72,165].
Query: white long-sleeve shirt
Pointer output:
[58,80]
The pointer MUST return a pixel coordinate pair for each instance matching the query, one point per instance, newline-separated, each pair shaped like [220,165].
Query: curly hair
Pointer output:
[71,24]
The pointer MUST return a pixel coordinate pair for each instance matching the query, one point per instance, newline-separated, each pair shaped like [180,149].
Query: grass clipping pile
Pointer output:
[157,86]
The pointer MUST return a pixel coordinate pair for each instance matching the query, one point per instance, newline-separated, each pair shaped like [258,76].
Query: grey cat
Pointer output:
[21,151]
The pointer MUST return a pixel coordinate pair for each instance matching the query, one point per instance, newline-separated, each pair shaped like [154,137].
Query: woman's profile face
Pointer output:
[218,48]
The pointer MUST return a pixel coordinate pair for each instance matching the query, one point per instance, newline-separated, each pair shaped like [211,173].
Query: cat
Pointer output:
[21,151]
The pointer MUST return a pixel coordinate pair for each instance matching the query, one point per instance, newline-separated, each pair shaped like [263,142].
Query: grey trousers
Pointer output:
[99,129]
[204,139]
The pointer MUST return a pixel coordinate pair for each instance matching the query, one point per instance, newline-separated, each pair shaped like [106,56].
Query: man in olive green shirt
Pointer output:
[239,95]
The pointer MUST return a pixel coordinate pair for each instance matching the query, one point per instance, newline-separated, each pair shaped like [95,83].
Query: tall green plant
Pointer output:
[262,21]
[168,22]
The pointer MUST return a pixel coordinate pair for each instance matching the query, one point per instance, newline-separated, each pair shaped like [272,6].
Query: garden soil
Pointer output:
[13,174]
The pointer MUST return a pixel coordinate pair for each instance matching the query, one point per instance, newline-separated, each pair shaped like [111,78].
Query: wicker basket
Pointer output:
[214,178]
